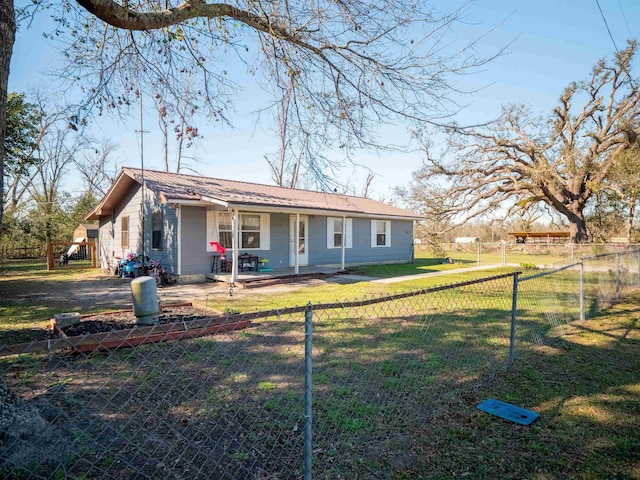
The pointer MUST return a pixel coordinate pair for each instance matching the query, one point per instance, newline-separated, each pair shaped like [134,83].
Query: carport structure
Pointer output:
[539,237]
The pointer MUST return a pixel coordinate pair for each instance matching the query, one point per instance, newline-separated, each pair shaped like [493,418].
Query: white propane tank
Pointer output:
[145,300]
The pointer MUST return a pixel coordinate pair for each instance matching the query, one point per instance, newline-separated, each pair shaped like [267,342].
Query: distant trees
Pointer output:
[588,145]
[43,153]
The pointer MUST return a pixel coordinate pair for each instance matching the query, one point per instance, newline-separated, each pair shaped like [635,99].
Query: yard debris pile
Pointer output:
[106,322]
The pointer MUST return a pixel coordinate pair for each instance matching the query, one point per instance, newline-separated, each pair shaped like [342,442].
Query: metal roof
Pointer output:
[555,234]
[187,189]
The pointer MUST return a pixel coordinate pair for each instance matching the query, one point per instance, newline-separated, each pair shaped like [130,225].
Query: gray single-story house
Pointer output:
[181,217]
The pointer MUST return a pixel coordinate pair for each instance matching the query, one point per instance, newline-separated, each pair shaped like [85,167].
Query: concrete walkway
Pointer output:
[349,278]
[433,274]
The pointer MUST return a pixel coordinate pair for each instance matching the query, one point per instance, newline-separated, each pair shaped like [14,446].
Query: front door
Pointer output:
[303,256]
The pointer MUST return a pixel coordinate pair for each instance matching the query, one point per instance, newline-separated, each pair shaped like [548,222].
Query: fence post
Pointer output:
[514,309]
[308,397]
[572,252]
[50,260]
[581,289]
[638,268]
[618,287]
[479,253]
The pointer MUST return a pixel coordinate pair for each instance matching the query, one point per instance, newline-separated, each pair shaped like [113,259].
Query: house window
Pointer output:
[225,230]
[253,230]
[156,230]
[335,232]
[380,233]
[124,231]
[250,231]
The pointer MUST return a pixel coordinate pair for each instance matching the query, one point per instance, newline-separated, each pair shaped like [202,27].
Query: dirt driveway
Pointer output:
[100,292]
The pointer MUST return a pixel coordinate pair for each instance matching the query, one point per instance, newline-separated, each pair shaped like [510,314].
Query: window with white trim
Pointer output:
[253,230]
[156,230]
[250,231]
[380,233]
[124,231]
[225,230]
[334,232]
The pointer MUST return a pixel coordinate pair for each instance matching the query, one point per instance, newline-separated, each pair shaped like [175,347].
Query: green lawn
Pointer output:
[23,315]
[395,390]
[421,264]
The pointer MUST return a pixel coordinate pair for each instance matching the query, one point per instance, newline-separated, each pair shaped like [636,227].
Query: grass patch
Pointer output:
[23,317]
[266,386]
[395,392]
[337,293]
[418,266]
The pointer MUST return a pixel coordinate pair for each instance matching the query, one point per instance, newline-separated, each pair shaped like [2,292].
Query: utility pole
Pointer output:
[144,203]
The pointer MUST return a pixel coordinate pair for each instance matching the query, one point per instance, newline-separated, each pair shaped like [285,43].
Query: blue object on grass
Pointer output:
[508,411]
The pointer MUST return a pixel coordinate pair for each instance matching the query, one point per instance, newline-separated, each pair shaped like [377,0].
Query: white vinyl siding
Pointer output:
[380,233]
[334,232]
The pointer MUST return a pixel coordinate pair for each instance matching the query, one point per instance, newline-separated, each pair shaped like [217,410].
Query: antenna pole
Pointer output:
[144,203]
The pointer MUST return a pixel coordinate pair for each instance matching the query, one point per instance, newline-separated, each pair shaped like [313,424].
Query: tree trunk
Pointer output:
[7,37]
[632,213]
[578,229]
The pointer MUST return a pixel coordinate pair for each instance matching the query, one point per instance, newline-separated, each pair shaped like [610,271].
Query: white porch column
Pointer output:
[344,240]
[234,245]
[297,245]
[179,264]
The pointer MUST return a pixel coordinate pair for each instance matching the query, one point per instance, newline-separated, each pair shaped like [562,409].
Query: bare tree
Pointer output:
[49,134]
[177,120]
[367,184]
[520,160]
[356,65]
[625,185]
[528,218]
[56,153]
[288,163]
[95,166]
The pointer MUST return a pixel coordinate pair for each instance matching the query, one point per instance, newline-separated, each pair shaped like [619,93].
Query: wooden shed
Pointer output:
[84,232]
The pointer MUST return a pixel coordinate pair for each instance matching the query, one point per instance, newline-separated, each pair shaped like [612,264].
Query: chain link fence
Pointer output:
[323,391]
[551,299]
[529,254]
[383,368]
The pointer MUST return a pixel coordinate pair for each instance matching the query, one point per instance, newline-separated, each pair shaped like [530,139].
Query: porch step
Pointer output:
[266,282]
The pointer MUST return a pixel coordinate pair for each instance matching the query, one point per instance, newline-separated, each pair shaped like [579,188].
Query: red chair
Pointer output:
[218,248]
[218,256]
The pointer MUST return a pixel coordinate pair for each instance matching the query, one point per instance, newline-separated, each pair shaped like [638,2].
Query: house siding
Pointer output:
[167,254]
[110,229]
[196,261]
[361,251]
[109,236]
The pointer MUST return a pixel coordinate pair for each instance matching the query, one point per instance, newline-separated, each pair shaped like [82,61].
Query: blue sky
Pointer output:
[554,43]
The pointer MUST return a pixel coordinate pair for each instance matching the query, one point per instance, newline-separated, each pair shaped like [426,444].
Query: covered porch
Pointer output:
[240,241]
[276,275]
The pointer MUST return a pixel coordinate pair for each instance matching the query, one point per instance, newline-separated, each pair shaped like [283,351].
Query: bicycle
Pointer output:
[115,269]
[160,274]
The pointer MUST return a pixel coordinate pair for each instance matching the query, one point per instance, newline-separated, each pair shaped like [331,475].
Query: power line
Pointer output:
[625,19]
[606,25]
